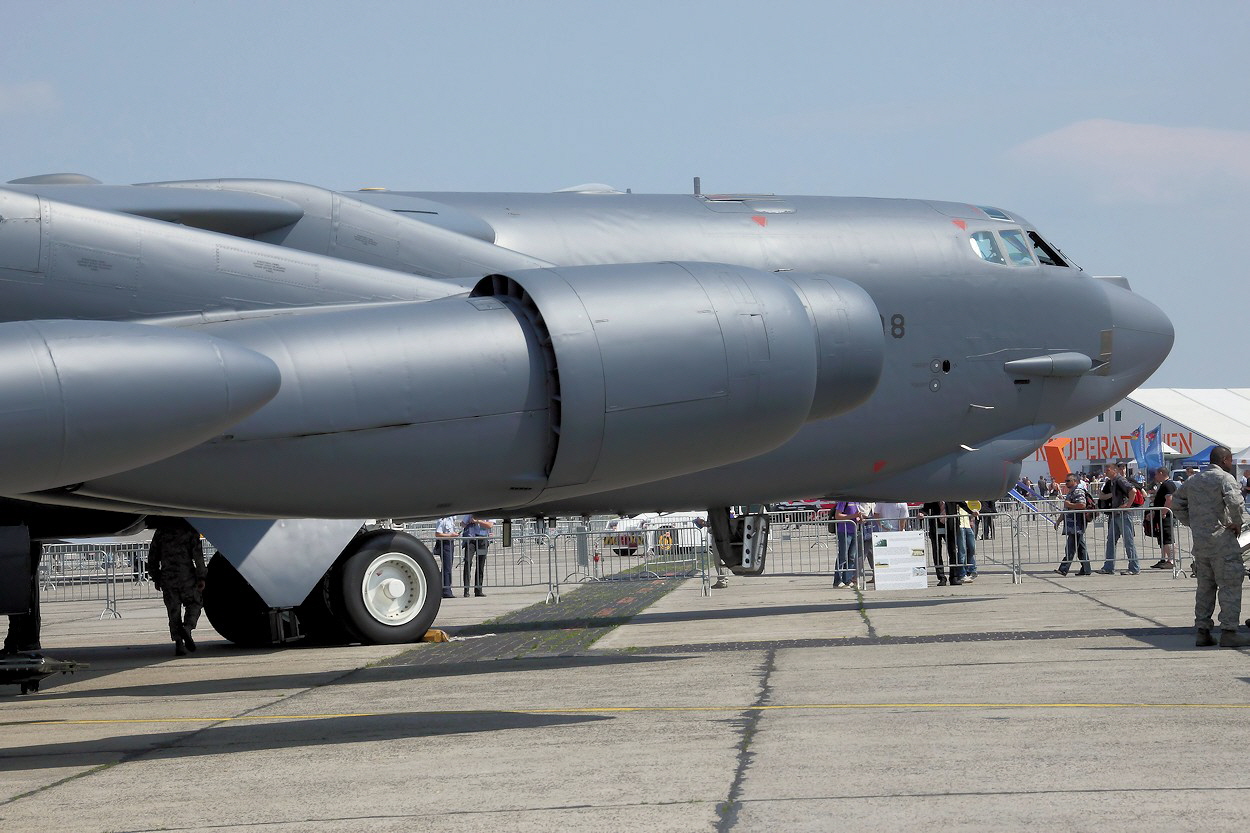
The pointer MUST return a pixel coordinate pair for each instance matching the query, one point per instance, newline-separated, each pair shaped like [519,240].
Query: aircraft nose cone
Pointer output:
[1141,335]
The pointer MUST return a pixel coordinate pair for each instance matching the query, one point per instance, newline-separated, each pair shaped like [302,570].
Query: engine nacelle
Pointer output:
[715,365]
[544,383]
[84,399]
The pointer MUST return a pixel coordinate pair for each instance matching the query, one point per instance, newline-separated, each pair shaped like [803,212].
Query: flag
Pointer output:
[1154,448]
[1135,440]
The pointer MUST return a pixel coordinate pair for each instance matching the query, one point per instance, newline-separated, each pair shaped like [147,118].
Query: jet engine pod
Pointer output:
[849,341]
[89,398]
[718,364]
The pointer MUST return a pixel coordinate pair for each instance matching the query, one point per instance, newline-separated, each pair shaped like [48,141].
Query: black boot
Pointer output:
[1232,639]
[179,650]
[187,640]
[1204,639]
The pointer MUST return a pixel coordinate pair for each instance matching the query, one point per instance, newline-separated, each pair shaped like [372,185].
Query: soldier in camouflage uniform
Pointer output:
[176,565]
[1210,505]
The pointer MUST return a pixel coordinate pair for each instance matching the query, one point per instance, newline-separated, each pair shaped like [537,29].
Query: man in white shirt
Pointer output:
[445,535]
[893,516]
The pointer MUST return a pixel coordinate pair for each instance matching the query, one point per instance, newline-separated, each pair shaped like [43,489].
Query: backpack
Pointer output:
[1089,499]
[1139,497]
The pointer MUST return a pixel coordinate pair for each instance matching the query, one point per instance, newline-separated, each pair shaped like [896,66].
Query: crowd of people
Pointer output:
[1214,504]
[952,528]
[1084,497]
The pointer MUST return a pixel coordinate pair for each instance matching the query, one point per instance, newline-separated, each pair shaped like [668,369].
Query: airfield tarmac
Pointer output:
[777,704]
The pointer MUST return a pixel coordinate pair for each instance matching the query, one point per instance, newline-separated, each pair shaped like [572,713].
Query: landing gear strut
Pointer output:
[741,537]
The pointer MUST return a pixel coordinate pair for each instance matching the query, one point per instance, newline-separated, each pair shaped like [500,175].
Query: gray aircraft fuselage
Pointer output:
[402,397]
[278,362]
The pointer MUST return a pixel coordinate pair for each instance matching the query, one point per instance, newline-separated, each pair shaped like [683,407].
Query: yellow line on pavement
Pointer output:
[251,717]
[844,706]
[626,709]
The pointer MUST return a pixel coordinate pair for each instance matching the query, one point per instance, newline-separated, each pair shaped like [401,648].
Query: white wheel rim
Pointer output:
[393,588]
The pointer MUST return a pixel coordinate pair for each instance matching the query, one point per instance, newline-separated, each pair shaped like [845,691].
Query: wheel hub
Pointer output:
[393,588]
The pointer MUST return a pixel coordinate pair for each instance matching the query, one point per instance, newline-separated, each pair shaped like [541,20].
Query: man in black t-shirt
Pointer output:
[1160,524]
[1118,494]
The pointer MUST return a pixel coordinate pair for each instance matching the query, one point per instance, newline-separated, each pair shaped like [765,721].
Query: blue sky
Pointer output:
[1121,129]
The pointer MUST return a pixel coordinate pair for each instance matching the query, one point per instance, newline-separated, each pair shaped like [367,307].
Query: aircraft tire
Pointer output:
[388,588]
[234,608]
[319,620]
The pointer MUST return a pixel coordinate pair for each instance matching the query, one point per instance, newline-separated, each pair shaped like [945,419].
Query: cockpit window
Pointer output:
[1045,253]
[996,213]
[986,247]
[1017,247]
[1021,250]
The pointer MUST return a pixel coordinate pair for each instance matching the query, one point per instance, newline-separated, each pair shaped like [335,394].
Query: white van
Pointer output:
[657,533]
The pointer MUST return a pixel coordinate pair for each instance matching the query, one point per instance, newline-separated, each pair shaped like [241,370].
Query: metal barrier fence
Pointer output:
[575,550]
[1022,541]
[106,572]
[1040,540]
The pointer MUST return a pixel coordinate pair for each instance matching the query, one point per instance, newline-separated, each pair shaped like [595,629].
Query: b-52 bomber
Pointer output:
[277,362]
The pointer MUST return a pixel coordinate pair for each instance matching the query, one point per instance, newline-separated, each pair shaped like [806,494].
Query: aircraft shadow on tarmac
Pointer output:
[572,623]
[257,734]
[395,669]
[851,605]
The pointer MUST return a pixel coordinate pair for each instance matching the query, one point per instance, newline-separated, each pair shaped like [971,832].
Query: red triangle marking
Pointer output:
[763,221]
[878,466]
[961,224]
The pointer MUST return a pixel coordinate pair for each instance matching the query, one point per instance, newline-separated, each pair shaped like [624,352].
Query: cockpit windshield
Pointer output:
[986,246]
[1045,253]
[1020,249]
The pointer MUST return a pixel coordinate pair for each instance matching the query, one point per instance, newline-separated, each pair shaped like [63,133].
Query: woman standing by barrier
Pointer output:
[847,517]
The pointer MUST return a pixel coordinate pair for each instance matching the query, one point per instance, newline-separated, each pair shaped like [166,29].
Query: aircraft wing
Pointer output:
[237,213]
[415,236]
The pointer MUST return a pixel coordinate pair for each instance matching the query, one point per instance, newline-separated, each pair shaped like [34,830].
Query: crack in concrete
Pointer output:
[748,726]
